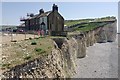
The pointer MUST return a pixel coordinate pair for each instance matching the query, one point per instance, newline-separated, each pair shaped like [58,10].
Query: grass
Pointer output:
[89,26]
[38,49]
[85,27]
[6,65]
[22,51]
[72,22]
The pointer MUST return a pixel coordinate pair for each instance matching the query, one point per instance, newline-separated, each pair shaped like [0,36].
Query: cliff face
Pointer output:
[61,62]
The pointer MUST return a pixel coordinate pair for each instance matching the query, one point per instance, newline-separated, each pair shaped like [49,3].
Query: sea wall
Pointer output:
[61,62]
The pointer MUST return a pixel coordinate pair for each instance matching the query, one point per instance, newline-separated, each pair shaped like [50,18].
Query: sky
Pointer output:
[12,11]
[119,17]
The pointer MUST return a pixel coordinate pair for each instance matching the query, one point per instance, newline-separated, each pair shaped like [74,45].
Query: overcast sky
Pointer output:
[12,11]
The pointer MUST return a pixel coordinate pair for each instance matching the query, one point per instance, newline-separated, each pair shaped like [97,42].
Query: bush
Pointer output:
[13,41]
[43,51]
[27,57]
[30,38]
[33,43]
[38,49]
[49,47]
[5,65]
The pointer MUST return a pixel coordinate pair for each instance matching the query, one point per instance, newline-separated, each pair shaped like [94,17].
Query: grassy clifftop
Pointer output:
[87,24]
[72,22]
[19,52]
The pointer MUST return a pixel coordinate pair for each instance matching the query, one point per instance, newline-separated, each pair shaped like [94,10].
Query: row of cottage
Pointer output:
[51,21]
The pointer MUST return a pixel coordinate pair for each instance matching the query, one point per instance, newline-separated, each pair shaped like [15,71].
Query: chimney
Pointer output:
[31,15]
[41,11]
[55,7]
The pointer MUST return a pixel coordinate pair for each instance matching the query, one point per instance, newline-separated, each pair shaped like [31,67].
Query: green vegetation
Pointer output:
[89,26]
[6,65]
[38,49]
[72,22]
[27,58]
[106,18]
[33,43]
[22,51]
[14,41]
[30,38]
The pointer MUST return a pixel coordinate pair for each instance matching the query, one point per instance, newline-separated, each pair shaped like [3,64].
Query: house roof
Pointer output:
[40,15]
[22,24]
[34,16]
[45,14]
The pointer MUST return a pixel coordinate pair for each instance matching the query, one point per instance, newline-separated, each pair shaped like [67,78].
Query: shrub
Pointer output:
[33,43]
[27,57]
[49,47]
[30,38]
[13,41]
[5,65]
[38,49]
[43,51]
[2,68]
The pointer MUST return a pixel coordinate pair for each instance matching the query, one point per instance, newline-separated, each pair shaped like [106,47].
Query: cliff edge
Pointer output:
[61,62]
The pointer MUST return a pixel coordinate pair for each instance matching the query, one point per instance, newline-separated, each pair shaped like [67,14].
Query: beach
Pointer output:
[101,61]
